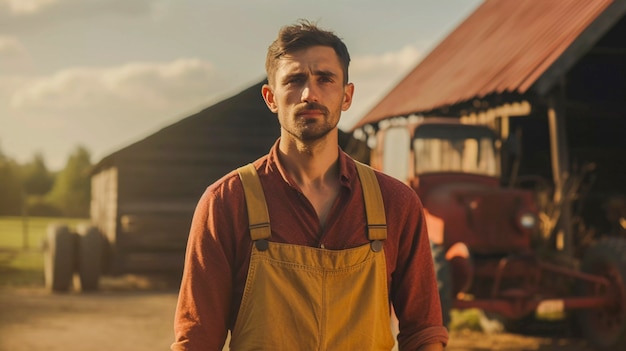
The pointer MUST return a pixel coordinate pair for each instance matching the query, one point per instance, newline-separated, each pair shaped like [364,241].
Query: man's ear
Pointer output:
[268,96]
[347,96]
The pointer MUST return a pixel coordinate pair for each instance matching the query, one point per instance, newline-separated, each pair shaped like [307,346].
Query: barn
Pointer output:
[144,195]
[550,75]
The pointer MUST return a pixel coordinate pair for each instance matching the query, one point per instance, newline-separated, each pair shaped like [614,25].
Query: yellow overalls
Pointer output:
[305,298]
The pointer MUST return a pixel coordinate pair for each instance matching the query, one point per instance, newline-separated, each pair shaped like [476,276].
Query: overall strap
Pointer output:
[374,206]
[258,215]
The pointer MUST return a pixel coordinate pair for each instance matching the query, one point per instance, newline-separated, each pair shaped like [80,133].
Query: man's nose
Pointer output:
[310,93]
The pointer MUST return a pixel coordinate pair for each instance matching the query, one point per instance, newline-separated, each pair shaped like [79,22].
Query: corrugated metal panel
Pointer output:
[504,46]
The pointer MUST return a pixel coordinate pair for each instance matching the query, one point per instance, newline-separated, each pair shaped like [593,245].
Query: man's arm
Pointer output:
[414,285]
[204,300]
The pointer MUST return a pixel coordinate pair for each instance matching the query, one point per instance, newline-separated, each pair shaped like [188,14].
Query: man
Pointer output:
[306,249]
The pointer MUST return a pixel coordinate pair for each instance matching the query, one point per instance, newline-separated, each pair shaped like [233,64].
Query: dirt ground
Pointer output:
[134,314]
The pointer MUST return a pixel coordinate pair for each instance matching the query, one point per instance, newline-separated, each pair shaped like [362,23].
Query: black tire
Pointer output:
[59,258]
[90,254]
[444,280]
[605,328]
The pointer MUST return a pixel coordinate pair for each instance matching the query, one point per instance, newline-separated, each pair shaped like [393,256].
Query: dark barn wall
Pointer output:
[181,160]
[596,110]
[595,123]
[595,113]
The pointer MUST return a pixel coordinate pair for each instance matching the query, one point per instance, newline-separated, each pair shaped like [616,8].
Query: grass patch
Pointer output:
[21,255]
[25,268]
[467,319]
[19,233]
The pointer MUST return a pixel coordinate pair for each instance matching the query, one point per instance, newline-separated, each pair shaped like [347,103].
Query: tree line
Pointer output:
[32,189]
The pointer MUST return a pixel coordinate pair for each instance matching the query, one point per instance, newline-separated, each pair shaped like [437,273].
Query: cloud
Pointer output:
[8,85]
[26,15]
[14,57]
[395,60]
[104,108]
[10,47]
[132,93]
[26,7]
[142,89]
[150,85]
[374,75]
[33,7]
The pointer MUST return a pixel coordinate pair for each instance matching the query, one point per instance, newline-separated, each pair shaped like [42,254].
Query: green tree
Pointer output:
[72,187]
[36,179]
[10,187]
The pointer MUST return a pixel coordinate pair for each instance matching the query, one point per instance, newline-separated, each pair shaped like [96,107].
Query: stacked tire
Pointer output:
[68,254]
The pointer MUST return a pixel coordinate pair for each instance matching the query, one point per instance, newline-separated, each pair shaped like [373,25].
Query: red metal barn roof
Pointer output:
[505,46]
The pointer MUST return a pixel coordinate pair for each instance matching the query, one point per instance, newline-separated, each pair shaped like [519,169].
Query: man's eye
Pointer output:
[295,80]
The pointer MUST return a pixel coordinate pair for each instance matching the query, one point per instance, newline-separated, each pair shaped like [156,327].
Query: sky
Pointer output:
[104,74]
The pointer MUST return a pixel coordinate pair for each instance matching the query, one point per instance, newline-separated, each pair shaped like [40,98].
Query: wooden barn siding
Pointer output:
[158,184]
[153,218]
[176,179]
[104,202]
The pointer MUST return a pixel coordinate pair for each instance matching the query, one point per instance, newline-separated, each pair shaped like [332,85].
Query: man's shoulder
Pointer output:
[225,182]
[395,192]
[387,181]
[231,182]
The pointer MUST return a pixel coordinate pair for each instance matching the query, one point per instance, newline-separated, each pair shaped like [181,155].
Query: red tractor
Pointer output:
[496,246]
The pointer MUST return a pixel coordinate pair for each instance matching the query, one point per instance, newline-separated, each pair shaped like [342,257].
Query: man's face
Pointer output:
[308,93]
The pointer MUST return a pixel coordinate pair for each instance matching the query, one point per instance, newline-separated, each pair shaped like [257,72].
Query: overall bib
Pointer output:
[305,298]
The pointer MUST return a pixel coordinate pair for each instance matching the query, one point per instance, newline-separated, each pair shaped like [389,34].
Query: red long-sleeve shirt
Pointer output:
[218,251]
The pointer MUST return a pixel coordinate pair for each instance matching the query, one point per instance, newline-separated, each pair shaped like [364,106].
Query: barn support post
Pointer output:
[559,155]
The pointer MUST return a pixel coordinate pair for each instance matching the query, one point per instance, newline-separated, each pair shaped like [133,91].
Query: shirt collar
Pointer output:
[347,169]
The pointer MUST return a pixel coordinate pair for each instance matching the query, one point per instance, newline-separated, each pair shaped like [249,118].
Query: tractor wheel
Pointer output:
[59,258]
[606,327]
[90,253]
[444,280]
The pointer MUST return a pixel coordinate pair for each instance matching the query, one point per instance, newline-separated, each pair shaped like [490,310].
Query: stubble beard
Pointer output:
[310,132]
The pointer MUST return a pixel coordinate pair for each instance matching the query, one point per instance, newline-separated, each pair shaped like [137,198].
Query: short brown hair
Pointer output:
[303,35]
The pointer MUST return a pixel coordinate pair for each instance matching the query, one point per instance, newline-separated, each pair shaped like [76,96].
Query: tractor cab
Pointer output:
[456,170]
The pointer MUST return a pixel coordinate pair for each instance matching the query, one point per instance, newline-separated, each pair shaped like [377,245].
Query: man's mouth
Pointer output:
[311,110]
[306,113]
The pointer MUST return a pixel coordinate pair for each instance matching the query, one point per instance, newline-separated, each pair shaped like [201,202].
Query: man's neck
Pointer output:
[309,163]
[315,169]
